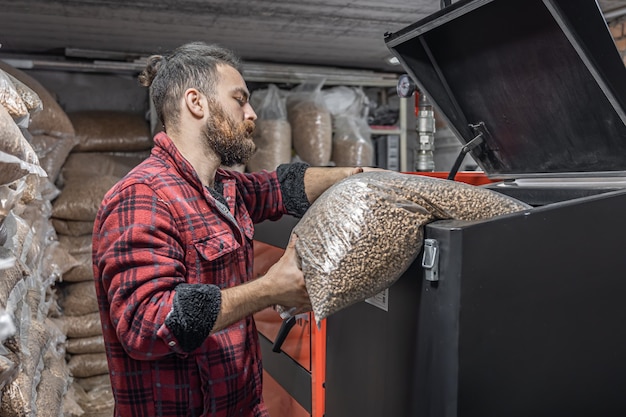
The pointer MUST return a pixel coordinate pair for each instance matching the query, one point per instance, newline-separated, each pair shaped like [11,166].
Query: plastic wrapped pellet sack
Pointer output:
[365,231]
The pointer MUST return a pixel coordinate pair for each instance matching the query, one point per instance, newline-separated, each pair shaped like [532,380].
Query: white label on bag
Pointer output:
[380,300]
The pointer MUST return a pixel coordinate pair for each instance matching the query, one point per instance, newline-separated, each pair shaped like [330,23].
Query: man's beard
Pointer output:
[231,141]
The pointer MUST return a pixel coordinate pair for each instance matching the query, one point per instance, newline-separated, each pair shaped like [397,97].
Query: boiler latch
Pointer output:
[430,260]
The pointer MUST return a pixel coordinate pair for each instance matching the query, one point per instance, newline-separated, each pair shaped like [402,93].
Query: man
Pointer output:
[172,248]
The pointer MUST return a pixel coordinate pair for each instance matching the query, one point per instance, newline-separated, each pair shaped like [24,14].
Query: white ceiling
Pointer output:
[339,33]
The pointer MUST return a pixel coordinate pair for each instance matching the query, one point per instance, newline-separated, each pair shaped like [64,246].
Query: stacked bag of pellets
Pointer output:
[364,232]
[48,128]
[109,145]
[323,127]
[351,141]
[272,134]
[311,123]
[17,156]
[33,371]
[90,393]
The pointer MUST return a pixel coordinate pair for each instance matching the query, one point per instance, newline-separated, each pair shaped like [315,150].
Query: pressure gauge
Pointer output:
[406,87]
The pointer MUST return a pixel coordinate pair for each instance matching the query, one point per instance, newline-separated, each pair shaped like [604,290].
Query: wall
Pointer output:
[77,91]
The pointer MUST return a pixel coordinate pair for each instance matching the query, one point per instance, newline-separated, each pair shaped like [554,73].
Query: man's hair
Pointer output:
[193,65]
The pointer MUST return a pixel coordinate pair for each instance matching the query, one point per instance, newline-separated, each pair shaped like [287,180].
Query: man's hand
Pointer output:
[283,284]
[287,281]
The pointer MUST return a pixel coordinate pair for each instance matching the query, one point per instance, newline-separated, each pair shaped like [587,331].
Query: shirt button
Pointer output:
[172,343]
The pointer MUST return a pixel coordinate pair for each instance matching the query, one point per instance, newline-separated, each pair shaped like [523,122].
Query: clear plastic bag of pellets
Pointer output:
[361,234]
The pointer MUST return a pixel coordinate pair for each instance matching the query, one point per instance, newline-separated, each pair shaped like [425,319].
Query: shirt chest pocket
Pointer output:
[214,259]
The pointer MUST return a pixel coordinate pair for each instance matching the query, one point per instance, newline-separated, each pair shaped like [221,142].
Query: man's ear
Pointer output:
[195,102]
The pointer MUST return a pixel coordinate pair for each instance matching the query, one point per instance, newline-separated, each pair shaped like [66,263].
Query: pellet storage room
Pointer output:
[506,305]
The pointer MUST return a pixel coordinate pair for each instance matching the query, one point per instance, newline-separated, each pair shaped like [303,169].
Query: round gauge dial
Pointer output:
[406,87]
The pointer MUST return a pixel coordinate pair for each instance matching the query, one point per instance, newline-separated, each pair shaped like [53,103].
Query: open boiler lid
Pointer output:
[540,82]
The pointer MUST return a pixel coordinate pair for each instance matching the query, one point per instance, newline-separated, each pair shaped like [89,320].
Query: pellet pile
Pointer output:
[352,141]
[322,127]
[365,231]
[311,124]
[52,179]
[47,127]
[272,134]
[109,145]
[33,371]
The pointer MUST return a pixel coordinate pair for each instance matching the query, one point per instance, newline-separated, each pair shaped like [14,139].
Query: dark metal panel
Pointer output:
[540,314]
[277,232]
[370,354]
[434,381]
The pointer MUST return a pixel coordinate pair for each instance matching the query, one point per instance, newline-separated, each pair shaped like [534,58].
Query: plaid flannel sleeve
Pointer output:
[140,263]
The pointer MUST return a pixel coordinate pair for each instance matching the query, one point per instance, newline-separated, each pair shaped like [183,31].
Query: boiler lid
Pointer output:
[540,82]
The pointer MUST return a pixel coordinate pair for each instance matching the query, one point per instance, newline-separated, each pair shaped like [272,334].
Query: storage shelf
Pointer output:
[382,131]
[252,71]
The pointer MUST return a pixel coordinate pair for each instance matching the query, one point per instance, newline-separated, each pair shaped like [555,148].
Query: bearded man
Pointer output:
[172,247]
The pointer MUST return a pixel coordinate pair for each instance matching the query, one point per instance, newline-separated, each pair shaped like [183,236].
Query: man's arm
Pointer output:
[283,284]
[319,179]
[201,309]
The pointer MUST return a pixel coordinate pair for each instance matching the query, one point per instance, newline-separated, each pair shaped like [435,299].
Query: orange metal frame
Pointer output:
[305,343]
[468,177]
[318,368]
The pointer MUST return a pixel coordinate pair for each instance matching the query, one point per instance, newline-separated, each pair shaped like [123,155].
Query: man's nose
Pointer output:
[249,113]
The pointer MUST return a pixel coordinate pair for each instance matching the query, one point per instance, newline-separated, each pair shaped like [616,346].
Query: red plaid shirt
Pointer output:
[157,228]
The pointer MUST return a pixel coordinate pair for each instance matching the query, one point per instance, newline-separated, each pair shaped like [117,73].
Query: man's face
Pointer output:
[230,123]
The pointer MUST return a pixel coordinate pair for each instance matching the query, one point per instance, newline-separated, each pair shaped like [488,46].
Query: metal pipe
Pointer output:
[615,13]
[424,154]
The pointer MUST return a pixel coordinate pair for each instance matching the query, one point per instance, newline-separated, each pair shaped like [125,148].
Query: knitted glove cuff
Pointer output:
[194,313]
[291,179]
